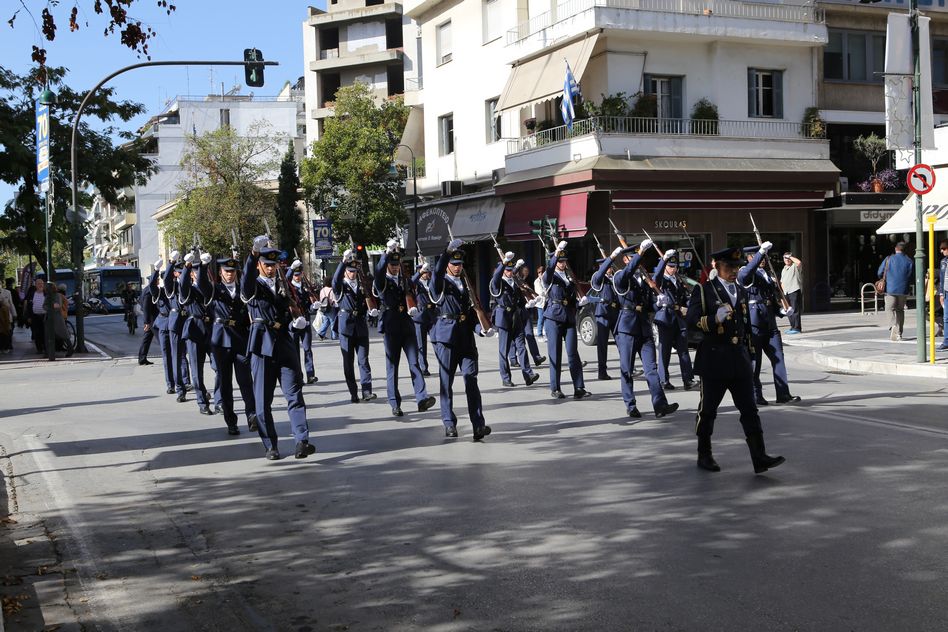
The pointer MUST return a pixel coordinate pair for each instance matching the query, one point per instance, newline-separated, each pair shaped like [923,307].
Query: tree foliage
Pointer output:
[347,178]
[98,162]
[289,222]
[222,191]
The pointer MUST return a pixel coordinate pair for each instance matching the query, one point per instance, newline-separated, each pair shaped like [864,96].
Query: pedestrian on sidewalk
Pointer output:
[791,279]
[7,321]
[540,302]
[35,314]
[896,270]
[329,308]
[53,304]
[941,283]
[17,303]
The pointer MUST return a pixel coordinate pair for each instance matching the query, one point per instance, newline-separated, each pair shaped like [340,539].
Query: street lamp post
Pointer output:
[414,195]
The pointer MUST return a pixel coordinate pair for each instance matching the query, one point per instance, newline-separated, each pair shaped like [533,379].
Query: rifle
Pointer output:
[295,310]
[233,243]
[770,266]
[475,299]
[526,290]
[569,271]
[370,302]
[645,273]
[307,284]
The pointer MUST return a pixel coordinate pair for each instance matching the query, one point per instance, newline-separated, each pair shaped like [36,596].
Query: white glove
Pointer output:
[373,313]
[722,313]
[412,311]
[205,258]
[786,312]
[616,252]
[300,323]
[663,300]
[260,242]
[508,257]
[671,252]
[296,265]
[455,244]
[159,264]
[582,301]
[531,303]
[486,334]
[174,256]
[765,247]
[189,258]
[315,306]
[348,256]
[520,263]
[561,246]
[391,245]
[645,245]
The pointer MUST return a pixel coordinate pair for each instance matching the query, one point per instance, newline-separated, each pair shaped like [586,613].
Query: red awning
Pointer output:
[713,200]
[568,210]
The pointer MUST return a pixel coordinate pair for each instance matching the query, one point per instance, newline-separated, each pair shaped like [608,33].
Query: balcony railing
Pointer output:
[414,83]
[648,126]
[711,8]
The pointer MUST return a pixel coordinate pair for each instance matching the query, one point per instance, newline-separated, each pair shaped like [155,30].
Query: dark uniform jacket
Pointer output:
[269,311]
[761,297]
[197,327]
[607,309]
[176,316]
[679,291]
[352,309]
[230,322]
[391,294]
[159,301]
[427,310]
[724,352]
[560,296]
[633,299]
[456,319]
[506,306]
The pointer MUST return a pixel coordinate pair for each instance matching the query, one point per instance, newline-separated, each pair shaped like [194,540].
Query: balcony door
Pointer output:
[667,91]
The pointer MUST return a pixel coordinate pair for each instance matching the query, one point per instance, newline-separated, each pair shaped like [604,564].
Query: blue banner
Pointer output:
[42,143]
[322,239]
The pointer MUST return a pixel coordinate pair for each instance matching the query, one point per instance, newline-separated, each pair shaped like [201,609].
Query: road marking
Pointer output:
[836,415]
[96,348]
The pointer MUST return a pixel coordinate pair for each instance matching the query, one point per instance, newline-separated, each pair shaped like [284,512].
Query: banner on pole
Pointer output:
[42,145]
[322,238]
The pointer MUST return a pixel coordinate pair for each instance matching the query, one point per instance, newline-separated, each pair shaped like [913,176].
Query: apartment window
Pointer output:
[225,117]
[854,56]
[444,43]
[667,91]
[764,93]
[492,121]
[940,62]
[445,134]
[490,12]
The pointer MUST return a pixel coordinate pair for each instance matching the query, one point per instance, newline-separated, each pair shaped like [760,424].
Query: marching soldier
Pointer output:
[149,315]
[305,296]
[352,326]
[765,335]
[527,317]
[162,307]
[424,319]
[560,321]
[633,331]
[508,314]
[671,306]
[398,330]
[273,352]
[719,309]
[607,313]
[196,330]
[175,321]
[229,332]
[453,337]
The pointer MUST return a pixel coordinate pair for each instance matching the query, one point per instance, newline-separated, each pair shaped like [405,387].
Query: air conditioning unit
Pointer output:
[497,175]
[451,187]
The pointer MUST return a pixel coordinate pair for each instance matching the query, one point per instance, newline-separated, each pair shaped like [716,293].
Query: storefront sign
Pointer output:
[670,224]
[877,217]
[432,225]
[322,238]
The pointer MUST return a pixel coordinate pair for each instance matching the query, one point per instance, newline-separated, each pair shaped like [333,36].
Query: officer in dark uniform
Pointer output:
[305,296]
[197,330]
[607,313]
[453,337]
[351,325]
[162,307]
[149,315]
[509,305]
[427,311]
[398,330]
[765,335]
[633,331]
[719,309]
[560,324]
[671,306]
[230,326]
[274,355]
[176,319]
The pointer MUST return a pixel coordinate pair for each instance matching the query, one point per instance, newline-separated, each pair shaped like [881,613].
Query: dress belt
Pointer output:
[637,308]
[224,321]
[268,323]
[457,317]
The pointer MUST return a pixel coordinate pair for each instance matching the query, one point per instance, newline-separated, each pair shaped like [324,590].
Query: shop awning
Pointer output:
[470,218]
[541,78]
[477,219]
[933,204]
[569,212]
[717,200]
[413,137]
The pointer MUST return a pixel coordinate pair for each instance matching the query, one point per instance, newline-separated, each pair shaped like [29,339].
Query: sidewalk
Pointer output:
[24,352]
[853,342]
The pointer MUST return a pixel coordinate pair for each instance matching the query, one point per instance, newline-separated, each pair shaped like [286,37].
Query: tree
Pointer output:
[222,191]
[132,33]
[347,178]
[99,163]
[289,222]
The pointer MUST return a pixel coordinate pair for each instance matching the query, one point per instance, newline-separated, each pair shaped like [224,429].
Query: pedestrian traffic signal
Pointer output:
[540,230]
[253,72]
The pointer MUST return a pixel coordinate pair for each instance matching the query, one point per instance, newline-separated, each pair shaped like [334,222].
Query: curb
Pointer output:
[881,368]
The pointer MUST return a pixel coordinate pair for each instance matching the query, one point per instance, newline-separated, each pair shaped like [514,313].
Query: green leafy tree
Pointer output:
[222,189]
[99,163]
[289,220]
[348,177]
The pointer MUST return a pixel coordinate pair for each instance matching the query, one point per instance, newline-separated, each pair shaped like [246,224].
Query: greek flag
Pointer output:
[570,90]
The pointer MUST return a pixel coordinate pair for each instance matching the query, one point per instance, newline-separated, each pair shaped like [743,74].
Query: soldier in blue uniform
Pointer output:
[765,335]
[607,313]
[719,309]
[398,330]
[560,324]
[453,337]
[162,307]
[230,327]
[196,331]
[424,319]
[633,331]
[175,324]
[305,296]
[529,337]
[274,355]
[352,327]
[671,306]
[507,319]
[149,314]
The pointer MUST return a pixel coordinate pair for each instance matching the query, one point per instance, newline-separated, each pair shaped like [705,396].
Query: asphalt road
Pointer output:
[568,517]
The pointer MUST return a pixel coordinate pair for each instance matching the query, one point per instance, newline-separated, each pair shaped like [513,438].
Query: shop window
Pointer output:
[764,93]
[446,134]
[940,62]
[854,56]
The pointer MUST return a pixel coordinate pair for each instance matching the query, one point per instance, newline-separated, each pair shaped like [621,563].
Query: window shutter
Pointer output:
[751,94]
[778,94]
[647,83]
[676,97]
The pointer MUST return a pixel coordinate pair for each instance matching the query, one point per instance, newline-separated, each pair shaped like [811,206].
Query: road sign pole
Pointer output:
[919,226]
[931,285]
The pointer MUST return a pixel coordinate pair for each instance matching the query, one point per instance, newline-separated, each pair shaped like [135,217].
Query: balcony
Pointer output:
[124,220]
[380,57]
[360,14]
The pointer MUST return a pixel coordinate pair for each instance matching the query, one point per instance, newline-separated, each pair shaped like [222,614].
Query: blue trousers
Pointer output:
[712,392]
[217,376]
[673,337]
[540,320]
[772,346]
[630,346]
[180,363]
[512,342]
[167,357]
[230,363]
[395,344]
[283,365]
[529,339]
[327,326]
[197,354]
[556,333]
[945,324]
[304,338]
[352,346]
[450,359]
[421,336]
[603,329]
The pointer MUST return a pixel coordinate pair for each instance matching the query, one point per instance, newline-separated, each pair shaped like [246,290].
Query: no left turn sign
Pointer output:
[921,179]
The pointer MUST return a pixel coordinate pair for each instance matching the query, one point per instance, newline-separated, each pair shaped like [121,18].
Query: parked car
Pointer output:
[586,323]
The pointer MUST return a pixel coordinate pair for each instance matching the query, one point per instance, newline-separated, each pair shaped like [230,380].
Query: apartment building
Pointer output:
[112,237]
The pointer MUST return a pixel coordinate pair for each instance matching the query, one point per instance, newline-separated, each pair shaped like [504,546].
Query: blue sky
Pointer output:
[198,29]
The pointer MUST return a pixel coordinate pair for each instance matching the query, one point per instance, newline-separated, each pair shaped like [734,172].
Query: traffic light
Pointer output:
[540,227]
[253,72]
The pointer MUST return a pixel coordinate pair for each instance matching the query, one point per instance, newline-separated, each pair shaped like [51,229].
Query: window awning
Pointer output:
[413,136]
[541,79]
[934,204]
[569,212]
[477,219]
[470,219]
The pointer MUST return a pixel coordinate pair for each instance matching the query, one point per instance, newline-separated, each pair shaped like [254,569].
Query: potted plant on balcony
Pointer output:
[643,108]
[610,111]
[813,124]
[872,148]
[883,181]
[704,117]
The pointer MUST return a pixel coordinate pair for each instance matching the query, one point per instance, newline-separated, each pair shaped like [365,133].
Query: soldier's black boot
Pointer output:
[705,460]
[762,460]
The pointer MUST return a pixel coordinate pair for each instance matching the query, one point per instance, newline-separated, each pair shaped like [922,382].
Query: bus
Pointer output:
[108,283]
